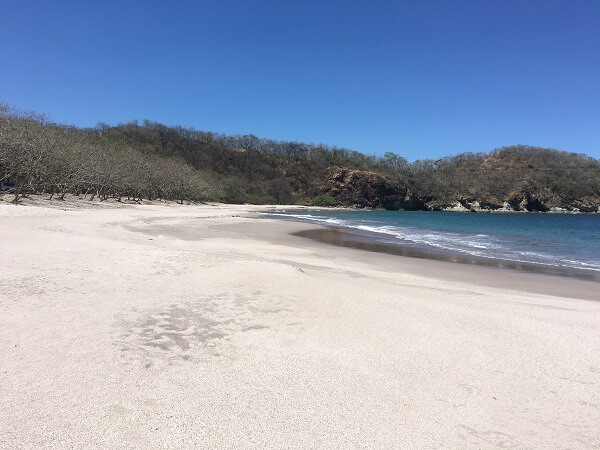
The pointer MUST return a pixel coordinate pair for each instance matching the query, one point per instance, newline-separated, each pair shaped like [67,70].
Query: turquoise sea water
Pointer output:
[560,240]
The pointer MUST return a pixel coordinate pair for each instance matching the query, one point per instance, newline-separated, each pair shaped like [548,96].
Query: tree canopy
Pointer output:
[154,161]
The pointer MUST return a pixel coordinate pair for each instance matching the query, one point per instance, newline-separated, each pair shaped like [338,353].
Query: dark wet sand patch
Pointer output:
[342,238]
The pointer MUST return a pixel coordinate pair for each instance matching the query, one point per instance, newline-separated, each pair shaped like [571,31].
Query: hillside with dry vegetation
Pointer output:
[152,161]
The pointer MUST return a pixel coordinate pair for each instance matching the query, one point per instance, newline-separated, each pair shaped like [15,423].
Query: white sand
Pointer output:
[180,326]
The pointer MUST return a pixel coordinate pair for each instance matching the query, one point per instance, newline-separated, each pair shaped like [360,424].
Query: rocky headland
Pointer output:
[363,189]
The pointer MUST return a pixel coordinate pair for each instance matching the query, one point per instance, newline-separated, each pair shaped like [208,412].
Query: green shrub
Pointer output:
[256,199]
[323,200]
[234,194]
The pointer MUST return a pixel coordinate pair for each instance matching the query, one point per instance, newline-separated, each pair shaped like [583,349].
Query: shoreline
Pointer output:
[444,270]
[299,235]
[344,238]
[44,201]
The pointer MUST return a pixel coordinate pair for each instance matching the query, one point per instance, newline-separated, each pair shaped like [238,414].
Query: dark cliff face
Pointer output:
[364,189]
[527,201]
[369,190]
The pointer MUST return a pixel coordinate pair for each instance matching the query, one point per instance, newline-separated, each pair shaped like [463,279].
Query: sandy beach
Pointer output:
[176,326]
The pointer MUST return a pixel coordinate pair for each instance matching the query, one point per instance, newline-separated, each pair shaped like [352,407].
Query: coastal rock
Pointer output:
[365,190]
[528,202]
[412,202]
[536,205]
[492,205]
[506,207]
[559,210]
[475,206]
[586,205]
[455,207]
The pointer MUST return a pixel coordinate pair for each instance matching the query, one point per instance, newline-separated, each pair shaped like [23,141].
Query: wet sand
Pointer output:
[525,276]
[345,238]
[179,326]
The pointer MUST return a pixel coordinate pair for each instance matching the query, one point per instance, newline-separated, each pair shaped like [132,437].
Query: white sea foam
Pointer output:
[474,244]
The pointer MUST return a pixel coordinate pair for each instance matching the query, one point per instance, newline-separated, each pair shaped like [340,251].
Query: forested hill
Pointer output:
[152,161]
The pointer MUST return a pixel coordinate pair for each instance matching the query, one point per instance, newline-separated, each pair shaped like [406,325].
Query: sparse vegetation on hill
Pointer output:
[153,161]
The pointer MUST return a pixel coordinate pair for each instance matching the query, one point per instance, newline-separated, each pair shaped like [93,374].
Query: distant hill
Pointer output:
[153,161]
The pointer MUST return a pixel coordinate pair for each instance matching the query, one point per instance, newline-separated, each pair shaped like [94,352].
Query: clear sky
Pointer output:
[422,78]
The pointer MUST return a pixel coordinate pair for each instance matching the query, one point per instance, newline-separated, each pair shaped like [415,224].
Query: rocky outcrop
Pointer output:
[362,189]
[521,202]
[552,203]
[365,190]
[585,205]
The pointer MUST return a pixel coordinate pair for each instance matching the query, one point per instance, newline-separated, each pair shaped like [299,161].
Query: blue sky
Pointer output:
[420,78]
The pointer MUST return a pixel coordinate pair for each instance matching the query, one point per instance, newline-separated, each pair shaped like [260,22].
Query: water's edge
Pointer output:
[343,238]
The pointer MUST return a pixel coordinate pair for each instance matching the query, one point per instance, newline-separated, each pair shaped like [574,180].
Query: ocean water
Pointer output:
[560,240]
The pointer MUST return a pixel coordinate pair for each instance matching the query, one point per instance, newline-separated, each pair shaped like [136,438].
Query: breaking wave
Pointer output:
[479,243]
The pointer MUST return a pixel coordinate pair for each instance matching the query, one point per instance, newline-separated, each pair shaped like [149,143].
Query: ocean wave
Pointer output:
[473,244]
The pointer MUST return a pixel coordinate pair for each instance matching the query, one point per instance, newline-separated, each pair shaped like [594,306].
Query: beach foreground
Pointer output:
[178,326]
